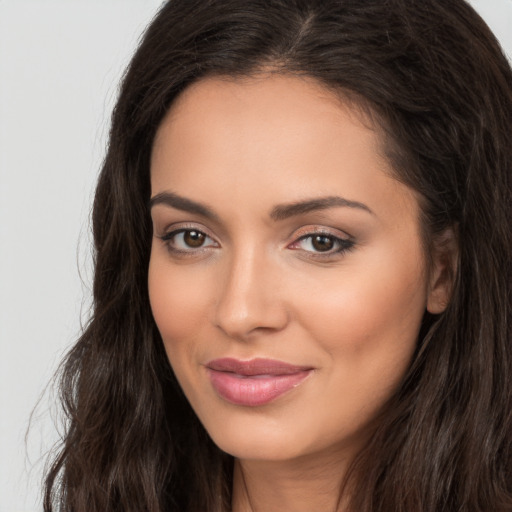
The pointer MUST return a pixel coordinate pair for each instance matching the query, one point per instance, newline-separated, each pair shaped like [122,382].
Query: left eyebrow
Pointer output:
[284,211]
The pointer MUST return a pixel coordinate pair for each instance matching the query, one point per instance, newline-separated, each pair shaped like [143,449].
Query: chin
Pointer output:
[254,439]
[274,440]
[269,450]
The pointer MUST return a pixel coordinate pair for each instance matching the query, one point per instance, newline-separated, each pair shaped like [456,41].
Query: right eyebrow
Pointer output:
[182,203]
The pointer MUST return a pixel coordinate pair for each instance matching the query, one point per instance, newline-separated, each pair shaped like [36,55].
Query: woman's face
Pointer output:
[287,276]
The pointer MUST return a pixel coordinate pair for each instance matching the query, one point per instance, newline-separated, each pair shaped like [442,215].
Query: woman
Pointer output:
[302,287]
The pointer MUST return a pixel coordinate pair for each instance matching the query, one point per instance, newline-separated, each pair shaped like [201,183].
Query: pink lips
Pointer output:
[255,382]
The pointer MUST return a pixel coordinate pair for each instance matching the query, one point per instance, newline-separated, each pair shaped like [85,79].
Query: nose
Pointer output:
[250,298]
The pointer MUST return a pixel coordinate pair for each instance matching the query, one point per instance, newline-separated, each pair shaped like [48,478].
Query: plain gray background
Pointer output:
[60,63]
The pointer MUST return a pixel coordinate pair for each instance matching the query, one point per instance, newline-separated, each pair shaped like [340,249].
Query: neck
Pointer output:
[300,485]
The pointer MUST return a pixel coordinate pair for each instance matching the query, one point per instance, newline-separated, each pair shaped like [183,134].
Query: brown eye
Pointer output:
[322,243]
[187,240]
[194,238]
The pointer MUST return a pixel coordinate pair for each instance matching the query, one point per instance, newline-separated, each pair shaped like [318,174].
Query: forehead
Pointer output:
[268,101]
[272,138]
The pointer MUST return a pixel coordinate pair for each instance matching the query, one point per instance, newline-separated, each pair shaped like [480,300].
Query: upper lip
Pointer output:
[258,366]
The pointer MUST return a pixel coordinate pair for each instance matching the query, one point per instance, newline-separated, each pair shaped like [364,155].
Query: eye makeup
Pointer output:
[312,242]
[322,244]
[187,241]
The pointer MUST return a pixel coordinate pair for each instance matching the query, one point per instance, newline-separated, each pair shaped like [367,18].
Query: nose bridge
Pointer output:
[248,298]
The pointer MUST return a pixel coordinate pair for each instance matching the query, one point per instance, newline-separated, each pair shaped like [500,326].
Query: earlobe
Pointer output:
[444,262]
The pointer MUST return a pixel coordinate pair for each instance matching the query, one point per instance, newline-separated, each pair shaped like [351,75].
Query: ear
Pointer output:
[444,262]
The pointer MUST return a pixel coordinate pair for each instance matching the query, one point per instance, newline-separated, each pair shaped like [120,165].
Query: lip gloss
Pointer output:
[255,382]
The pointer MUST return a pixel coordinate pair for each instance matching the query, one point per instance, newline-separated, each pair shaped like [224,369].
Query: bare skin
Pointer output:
[336,286]
[303,485]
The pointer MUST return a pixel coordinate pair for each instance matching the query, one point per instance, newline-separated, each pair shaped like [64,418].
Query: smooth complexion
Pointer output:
[279,234]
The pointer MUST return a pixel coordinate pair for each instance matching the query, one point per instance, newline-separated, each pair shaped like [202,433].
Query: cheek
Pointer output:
[371,310]
[382,289]
[178,300]
[366,329]
[367,318]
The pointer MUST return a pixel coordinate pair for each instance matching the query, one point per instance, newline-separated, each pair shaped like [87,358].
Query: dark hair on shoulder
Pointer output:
[440,87]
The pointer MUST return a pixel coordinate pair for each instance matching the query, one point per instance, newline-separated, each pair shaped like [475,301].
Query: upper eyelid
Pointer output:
[186,226]
[295,235]
[311,230]
[164,220]
[173,232]
[341,240]
[344,244]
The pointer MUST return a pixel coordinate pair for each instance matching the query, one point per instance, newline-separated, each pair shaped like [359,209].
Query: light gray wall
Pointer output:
[60,62]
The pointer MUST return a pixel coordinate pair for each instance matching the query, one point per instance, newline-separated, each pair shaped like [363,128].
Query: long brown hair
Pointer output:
[438,83]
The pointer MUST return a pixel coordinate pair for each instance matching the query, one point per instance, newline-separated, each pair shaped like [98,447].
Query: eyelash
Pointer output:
[167,238]
[342,245]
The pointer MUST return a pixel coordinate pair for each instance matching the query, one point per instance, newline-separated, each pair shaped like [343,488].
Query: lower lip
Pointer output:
[253,391]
